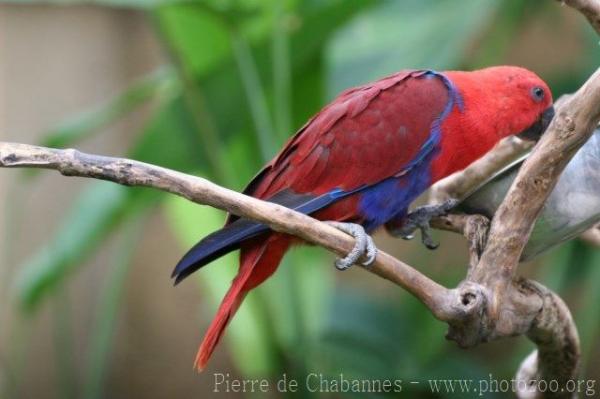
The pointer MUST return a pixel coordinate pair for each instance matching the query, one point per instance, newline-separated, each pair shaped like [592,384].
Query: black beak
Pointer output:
[535,131]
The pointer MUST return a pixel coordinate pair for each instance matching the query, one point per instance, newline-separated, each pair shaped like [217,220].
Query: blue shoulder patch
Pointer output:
[385,200]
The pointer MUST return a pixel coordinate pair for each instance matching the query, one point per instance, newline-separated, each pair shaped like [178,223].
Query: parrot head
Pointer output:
[528,102]
[495,103]
[508,100]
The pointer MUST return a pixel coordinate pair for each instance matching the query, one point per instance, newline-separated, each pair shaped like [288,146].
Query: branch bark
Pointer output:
[510,229]
[589,8]
[70,162]
[507,306]
[460,184]
[503,304]
[558,351]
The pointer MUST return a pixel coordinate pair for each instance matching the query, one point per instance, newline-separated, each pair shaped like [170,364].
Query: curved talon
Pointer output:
[419,219]
[363,246]
[371,252]
[426,237]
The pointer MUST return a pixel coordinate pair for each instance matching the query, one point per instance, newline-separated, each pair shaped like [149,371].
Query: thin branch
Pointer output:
[589,8]
[473,227]
[128,172]
[460,184]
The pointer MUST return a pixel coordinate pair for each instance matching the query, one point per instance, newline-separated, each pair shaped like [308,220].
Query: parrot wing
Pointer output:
[366,135]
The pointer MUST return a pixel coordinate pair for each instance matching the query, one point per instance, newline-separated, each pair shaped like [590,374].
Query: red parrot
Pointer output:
[365,157]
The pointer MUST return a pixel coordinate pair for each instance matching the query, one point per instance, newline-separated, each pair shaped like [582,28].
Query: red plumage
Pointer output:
[343,145]
[258,261]
[372,133]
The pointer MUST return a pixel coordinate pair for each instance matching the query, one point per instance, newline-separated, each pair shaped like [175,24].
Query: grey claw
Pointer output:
[428,240]
[342,264]
[370,253]
[419,219]
[363,246]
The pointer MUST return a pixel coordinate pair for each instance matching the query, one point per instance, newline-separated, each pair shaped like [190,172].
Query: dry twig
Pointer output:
[128,172]
[460,184]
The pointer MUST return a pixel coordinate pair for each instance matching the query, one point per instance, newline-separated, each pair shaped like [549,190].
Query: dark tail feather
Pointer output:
[232,235]
[215,245]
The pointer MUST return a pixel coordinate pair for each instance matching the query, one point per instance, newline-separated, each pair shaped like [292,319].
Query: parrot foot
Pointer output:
[363,247]
[420,218]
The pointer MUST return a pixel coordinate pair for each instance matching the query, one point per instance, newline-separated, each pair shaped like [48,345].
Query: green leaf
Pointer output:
[94,213]
[159,85]
[144,4]
[199,38]
[218,78]
[586,314]
[366,337]
[108,309]
[104,205]
[170,139]
[407,34]
[362,335]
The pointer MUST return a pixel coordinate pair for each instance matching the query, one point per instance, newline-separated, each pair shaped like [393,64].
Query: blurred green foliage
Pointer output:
[243,75]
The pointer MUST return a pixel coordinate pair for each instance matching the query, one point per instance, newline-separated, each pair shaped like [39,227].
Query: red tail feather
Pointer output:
[258,261]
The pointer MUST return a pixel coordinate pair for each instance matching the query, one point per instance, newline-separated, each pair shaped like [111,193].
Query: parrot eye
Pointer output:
[537,93]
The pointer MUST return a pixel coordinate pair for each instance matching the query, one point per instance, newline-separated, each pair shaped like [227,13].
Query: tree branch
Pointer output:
[70,162]
[510,229]
[507,306]
[460,184]
[558,353]
[589,8]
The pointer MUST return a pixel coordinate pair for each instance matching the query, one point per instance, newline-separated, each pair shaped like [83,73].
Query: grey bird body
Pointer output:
[572,208]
